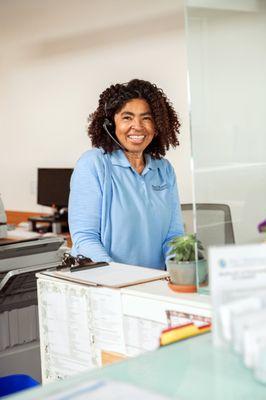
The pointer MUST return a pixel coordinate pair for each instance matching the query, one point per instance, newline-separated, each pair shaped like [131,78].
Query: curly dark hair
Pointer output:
[113,99]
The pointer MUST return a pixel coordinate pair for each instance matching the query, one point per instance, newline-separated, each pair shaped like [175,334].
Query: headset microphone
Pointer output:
[107,123]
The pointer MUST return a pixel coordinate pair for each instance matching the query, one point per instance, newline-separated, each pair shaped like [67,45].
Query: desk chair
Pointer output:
[214,223]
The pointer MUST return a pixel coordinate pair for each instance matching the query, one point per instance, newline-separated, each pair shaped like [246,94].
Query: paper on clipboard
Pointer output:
[114,275]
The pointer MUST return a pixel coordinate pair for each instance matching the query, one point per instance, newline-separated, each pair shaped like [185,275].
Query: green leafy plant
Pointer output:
[184,248]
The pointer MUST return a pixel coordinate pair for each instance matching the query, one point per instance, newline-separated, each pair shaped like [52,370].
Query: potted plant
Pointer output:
[181,261]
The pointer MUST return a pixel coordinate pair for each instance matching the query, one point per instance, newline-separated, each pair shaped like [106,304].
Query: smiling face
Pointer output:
[134,125]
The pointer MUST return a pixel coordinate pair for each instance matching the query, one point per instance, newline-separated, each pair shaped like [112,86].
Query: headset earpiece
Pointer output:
[107,122]
[108,125]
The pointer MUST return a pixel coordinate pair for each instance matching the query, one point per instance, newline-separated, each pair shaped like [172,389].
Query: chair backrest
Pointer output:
[214,223]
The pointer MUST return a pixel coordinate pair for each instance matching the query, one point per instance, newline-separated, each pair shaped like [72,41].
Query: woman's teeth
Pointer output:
[136,138]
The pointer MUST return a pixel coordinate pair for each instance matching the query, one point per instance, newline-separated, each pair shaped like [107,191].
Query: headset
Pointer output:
[107,125]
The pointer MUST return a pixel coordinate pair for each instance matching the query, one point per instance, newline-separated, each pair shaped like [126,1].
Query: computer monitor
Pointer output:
[53,187]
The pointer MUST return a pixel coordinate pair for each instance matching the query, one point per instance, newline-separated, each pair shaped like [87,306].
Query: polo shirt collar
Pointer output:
[151,163]
[119,158]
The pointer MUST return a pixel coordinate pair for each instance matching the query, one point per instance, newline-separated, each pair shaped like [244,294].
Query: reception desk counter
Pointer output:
[187,370]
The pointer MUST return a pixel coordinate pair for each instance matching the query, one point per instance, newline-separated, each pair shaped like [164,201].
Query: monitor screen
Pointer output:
[53,186]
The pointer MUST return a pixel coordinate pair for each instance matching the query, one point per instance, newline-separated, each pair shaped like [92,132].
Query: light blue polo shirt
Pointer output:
[116,214]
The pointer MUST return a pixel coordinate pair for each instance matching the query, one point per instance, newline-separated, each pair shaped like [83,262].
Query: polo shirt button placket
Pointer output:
[144,187]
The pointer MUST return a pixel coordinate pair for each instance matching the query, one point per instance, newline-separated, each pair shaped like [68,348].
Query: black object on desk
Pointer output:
[79,263]
[51,223]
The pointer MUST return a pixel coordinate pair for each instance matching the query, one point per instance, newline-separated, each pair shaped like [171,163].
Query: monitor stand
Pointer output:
[49,223]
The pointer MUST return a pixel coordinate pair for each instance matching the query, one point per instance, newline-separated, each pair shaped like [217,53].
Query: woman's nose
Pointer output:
[137,124]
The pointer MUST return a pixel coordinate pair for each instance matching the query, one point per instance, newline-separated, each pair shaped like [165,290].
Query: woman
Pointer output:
[124,205]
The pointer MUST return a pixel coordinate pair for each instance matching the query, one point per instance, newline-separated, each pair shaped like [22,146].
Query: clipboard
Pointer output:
[112,275]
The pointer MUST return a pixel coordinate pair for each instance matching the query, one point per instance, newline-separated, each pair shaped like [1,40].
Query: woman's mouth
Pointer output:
[136,138]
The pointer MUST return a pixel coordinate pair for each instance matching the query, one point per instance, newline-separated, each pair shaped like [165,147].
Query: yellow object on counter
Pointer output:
[181,332]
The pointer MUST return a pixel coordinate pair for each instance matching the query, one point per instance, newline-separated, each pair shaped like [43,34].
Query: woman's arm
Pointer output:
[176,226]
[85,208]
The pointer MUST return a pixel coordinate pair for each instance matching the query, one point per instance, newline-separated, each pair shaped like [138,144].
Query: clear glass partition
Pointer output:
[227,76]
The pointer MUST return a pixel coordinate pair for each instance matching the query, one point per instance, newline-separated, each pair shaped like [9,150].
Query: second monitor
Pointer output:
[53,187]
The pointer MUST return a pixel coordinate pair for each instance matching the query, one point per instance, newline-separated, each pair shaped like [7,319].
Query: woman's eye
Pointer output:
[126,117]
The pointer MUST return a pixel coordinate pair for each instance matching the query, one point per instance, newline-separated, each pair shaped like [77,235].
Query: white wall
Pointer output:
[56,57]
